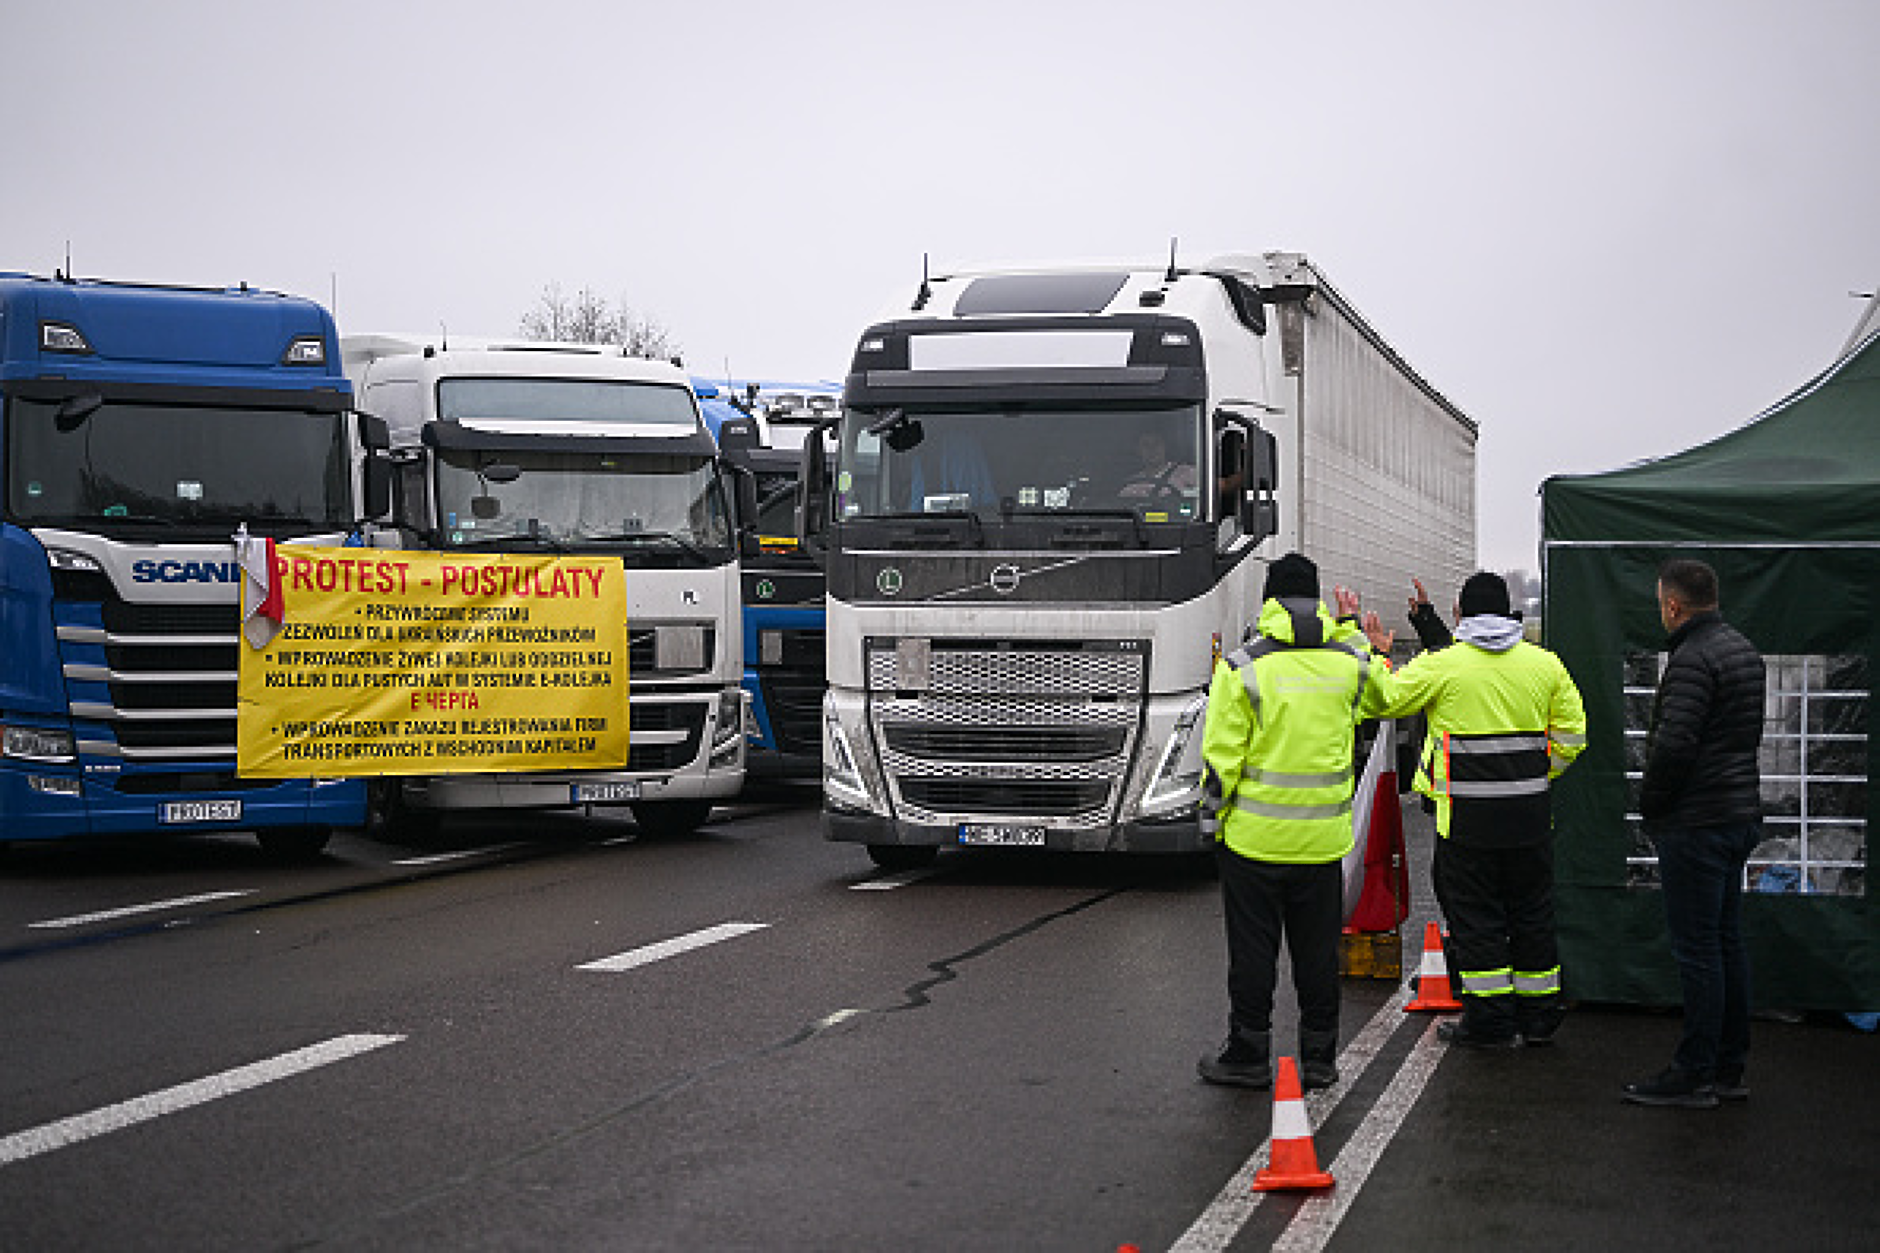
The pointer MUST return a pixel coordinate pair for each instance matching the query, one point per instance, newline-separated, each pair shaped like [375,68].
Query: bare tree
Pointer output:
[586,318]
[643,337]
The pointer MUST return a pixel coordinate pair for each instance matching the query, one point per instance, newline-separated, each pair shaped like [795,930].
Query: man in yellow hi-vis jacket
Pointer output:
[1504,719]
[1278,782]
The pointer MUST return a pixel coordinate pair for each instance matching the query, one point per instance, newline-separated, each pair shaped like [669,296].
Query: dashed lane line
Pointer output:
[671,948]
[436,858]
[129,911]
[56,1135]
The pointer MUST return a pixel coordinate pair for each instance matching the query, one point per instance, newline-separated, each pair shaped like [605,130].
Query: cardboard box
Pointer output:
[1370,955]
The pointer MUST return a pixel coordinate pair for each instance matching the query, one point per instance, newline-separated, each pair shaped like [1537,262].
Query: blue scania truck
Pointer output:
[140,426]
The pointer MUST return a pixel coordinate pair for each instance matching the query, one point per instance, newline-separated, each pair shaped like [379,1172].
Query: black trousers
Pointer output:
[1499,903]
[1265,900]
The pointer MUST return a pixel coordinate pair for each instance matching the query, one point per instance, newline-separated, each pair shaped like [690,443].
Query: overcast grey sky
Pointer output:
[1607,229]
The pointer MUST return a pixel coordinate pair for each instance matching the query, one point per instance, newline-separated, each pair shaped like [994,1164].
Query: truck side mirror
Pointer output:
[376,439]
[1261,509]
[744,499]
[812,520]
[378,487]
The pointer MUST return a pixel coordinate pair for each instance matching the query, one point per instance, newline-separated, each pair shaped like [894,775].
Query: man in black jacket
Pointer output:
[1701,802]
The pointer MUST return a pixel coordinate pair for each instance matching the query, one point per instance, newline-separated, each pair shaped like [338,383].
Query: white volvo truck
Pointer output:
[1050,508]
[532,447]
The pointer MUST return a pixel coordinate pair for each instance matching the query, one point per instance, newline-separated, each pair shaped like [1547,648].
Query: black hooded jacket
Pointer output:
[1707,724]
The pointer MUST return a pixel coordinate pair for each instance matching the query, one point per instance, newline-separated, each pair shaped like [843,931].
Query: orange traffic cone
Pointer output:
[1433,993]
[1292,1161]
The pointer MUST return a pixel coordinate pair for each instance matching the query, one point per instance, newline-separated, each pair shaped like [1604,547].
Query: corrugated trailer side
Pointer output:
[1386,469]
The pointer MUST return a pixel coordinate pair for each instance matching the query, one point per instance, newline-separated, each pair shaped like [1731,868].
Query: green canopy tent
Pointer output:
[1787,509]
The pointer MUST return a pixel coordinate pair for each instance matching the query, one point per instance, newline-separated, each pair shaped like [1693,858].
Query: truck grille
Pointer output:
[1041,731]
[664,735]
[794,703]
[169,671]
[1064,670]
[1017,743]
[793,685]
[1029,798]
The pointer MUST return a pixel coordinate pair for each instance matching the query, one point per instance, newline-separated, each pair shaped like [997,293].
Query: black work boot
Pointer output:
[1318,1059]
[1245,1061]
[1540,1020]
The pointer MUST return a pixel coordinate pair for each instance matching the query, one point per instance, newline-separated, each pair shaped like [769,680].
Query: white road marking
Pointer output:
[1214,1230]
[459,855]
[668,948]
[1312,1227]
[56,1135]
[898,880]
[105,915]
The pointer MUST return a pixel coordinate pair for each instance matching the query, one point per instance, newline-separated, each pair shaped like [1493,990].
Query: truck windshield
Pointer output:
[992,462]
[662,504]
[284,470]
[565,400]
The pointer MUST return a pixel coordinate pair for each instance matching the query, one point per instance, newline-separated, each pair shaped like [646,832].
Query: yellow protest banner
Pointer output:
[414,663]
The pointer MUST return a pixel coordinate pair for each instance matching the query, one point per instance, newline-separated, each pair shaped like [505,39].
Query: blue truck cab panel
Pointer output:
[783,592]
[139,427]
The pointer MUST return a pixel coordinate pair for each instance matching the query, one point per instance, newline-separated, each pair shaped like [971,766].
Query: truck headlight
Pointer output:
[37,744]
[1176,783]
[843,785]
[65,559]
[728,735]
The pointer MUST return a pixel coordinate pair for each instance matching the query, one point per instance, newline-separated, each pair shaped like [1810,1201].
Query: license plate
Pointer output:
[996,833]
[592,793]
[199,811]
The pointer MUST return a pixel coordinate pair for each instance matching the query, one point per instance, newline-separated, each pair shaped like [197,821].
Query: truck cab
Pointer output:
[531,447]
[1052,497]
[140,428]
[784,614]
[1042,523]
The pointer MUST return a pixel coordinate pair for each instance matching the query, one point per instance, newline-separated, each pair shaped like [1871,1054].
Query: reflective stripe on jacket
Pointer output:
[1277,745]
[1502,724]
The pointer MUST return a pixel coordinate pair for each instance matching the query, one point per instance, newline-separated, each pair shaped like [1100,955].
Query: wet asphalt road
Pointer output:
[543,1032]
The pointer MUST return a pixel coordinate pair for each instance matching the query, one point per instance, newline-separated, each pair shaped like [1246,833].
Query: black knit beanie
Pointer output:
[1483,592]
[1291,576]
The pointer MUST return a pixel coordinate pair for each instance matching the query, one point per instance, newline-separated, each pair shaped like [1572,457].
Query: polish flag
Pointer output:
[1377,871]
[262,613]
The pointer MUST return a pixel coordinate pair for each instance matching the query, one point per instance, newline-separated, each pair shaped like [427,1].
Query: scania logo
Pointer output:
[888,582]
[185,572]
[1004,579]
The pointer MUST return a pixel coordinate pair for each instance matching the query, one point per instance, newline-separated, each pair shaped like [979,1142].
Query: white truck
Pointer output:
[535,447]
[1053,495]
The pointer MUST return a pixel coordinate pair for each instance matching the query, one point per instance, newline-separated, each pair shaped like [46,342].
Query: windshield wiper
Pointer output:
[1128,516]
[518,539]
[633,537]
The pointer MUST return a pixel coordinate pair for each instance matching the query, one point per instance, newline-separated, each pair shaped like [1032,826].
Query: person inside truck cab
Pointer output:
[1157,477]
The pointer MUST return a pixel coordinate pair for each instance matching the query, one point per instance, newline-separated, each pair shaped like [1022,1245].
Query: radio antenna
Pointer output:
[926,289]
[1172,273]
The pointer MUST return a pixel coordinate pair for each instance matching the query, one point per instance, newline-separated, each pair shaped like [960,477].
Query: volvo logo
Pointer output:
[888,582]
[1004,579]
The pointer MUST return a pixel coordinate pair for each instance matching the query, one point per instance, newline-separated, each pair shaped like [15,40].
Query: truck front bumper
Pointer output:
[1174,835]
[31,810]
